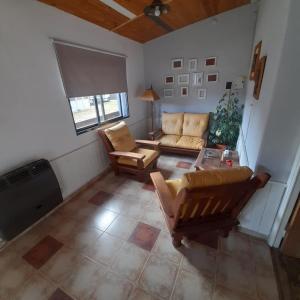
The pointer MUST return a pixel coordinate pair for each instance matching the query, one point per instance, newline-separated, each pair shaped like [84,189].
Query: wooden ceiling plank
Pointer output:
[135,6]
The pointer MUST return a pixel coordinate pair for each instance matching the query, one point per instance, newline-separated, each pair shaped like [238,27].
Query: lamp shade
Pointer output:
[149,95]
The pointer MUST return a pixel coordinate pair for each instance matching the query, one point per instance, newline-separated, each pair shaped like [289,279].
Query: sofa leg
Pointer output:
[176,240]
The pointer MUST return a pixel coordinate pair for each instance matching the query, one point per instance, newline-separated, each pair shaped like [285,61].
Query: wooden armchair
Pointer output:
[126,154]
[205,202]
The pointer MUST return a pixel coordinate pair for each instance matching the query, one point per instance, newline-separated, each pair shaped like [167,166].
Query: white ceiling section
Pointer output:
[119,8]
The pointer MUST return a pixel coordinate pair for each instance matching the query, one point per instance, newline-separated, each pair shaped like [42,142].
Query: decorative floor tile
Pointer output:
[149,187]
[60,295]
[158,277]
[36,287]
[190,286]
[121,227]
[111,287]
[100,198]
[42,252]
[183,165]
[105,249]
[130,261]
[144,236]
[164,248]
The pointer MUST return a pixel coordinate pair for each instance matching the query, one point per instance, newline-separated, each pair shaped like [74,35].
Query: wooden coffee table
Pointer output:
[210,159]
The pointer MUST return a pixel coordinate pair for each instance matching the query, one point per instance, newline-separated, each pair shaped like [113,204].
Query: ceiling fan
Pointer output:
[155,10]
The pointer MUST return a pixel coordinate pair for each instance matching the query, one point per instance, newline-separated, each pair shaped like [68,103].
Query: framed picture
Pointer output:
[192,65]
[198,79]
[259,77]
[169,79]
[184,91]
[255,60]
[177,63]
[201,94]
[168,93]
[210,61]
[183,79]
[212,77]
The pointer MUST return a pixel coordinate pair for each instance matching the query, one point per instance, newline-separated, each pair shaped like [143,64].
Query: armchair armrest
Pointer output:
[133,155]
[153,144]
[205,137]
[163,192]
[155,134]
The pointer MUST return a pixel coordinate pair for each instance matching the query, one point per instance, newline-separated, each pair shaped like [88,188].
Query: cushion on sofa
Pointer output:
[150,155]
[174,186]
[120,137]
[195,124]
[169,140]
[190,142]
[172,123]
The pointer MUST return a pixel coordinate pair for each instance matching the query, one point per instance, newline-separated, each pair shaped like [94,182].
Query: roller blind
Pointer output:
[90,72]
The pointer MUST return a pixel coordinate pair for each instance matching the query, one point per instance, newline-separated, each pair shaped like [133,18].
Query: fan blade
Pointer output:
[158,21]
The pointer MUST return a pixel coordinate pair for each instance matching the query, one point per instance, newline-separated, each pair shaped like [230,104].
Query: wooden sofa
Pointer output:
[206,202]
[183,133]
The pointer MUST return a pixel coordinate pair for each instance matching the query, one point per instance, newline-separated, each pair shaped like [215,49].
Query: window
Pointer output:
[92,111]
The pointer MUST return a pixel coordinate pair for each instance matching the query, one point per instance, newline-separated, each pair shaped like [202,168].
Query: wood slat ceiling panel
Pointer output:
[90,10]
[141,29]
[135,6]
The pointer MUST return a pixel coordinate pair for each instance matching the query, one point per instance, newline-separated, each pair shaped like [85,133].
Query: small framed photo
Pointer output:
[168,93]
[198,79]
[201,94]
[255,61]
[212,77]
[210,61]
[183,79]
[259,77]
[177,63]
[192,65]
[184,91]
[170,79]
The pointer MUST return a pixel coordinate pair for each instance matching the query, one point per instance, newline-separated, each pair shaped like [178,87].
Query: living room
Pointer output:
[106,230]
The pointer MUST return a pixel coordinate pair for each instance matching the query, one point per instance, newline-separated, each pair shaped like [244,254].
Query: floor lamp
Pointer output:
[150,95]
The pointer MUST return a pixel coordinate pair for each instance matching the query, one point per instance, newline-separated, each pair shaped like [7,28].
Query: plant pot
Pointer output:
[220,146]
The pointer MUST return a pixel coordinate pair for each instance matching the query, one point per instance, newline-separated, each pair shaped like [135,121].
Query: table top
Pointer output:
[210,159]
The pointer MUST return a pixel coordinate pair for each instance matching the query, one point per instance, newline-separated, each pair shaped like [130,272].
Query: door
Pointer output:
[291,242]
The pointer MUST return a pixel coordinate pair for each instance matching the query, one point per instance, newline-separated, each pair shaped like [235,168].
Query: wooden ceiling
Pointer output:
[141,28]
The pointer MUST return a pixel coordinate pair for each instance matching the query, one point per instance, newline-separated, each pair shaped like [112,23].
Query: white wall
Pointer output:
[35,118]
[230,40]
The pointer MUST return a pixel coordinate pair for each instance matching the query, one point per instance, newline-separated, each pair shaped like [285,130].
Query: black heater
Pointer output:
[26,195]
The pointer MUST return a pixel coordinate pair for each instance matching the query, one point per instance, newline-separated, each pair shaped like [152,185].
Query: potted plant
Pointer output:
[224,130]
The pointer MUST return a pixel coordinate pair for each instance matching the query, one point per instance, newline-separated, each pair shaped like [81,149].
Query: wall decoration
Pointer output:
[201,94]
[255,61]
[183,79]
[177,63]
[168,93]
[259,76]
[212,77]
[211,62]
[170,79]
[198,79]
[192,65]
[184,91]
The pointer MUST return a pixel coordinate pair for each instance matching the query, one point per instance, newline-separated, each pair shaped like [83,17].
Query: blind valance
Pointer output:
[89,72]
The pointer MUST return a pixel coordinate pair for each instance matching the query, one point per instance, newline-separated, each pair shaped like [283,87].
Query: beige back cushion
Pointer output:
[172,123]
[195,124]
[215,177]
[120,137]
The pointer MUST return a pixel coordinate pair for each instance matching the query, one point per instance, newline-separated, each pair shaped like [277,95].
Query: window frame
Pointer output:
[99,122]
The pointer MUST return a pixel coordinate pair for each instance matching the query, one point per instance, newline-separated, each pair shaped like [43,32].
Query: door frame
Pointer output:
[287,204]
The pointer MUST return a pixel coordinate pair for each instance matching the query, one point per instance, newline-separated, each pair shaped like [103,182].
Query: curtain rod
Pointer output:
[57,41]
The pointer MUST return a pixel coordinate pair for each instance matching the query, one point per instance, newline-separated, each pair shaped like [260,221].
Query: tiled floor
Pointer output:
[111,242]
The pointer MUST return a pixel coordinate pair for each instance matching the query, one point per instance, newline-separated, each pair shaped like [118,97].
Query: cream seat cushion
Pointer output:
[195,124]
[172,123]
[150,155]
[120,137]
[190,142]
[169,140]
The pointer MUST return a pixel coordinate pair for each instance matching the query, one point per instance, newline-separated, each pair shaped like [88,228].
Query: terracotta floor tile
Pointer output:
[184,165]
[144,236]
[100,198]
[60,295]
[42,252]
[149,187]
